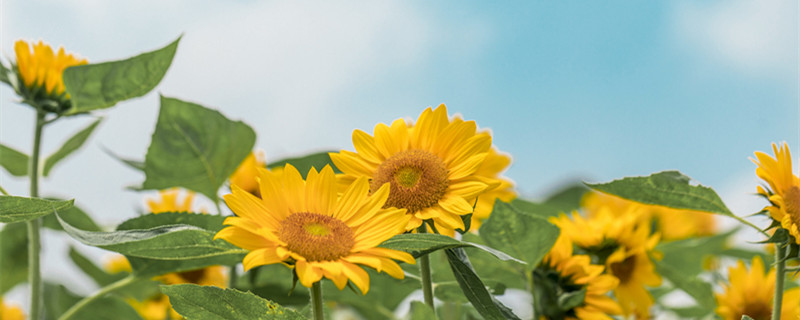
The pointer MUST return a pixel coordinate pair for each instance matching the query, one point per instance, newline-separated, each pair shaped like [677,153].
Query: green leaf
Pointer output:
[521,235]
[135,164]
[170,242]
[195,148]
[100,277]
[102,85]
[474,289]
[693,286]
[72,144]
[420,311]
[686,256]
[58,299]
[571,300]
[74,216]
[304,164]
[15,162]
[13,256]
[420,244]
[385,294]
[17,209]
[4,74]
[451,291]
[211,303]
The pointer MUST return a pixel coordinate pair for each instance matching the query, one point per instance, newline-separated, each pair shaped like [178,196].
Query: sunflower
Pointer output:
[783,191]
[624,244]
[672,224]
[492,167]
[308,226]
[245,175]
[750,293]
[568,274]
[167,201]
[430,166]
[10,312]
[41,70]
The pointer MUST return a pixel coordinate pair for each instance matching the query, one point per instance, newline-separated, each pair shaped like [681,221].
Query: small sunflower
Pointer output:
[492,167]
[783,191]
[624,244]
[307,225]
[10,312]
[245,175]
[570,274]
[41,70]
[431,166]
[751,293]
[672,224]
[168,201]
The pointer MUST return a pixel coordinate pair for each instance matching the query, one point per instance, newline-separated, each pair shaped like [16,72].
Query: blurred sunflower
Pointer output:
[41,71]
[625,245]
[562,276]
[10,312]
[492,167]
[168,201]
[751,293]
[783,190]
[309,226]
[245,175]
[672,224]
[431,166]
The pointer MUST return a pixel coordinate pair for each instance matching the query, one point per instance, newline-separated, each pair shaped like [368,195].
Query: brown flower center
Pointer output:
[193,276]
[624,270]
[316,237]
[757,310]
[418,180]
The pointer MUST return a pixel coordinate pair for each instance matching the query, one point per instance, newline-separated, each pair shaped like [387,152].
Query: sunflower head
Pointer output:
[311,227]
[10,312]
[245,175]
[432,166]
[40,71]
[751,293]
[172,200]
[783,190]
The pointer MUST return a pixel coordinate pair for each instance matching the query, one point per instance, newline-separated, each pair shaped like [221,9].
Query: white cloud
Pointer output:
[759,38]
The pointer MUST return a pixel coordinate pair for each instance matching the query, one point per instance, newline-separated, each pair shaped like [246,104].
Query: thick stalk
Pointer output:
[34,238]
[316,301]
[780,266]
[99,294]
[425,274]
[532,288]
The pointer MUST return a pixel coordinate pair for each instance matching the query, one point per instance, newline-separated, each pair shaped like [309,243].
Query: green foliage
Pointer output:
[562,201]
[17,209]
[74,216]
[57,300]
[420,311]
[304,164]
[102,85]
[420,244]
[195,148]
[385,294]
[274,282]
[15,162]
[511,230]
[693,286]
[686,256]
[206,302]
[100,277]
[72,144]
[13,256]
[474,289]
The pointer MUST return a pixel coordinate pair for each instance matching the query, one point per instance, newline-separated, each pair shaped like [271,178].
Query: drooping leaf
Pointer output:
[72,144]
[15,162]
[100,277]
[451,291]
[17,209]
[474,289]
[420,244]
[74,216]
[195,148]
[212,303]
[169,242]
[13,256]
[303,164]
[420,311]
[521,235]
[102,85]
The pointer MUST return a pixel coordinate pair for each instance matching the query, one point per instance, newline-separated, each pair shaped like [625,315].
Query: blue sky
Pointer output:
[572,90]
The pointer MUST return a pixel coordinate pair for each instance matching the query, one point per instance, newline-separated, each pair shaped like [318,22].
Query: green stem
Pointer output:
[316,301]
[5,193]
[232,279]
[425,273]
[34,238]
[780,255]
[99,294]
[532,288]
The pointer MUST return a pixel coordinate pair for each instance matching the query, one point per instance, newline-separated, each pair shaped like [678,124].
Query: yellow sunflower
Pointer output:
[783,191]
[492,167]
[624,244]
[168,201]
[575,273]
[39,67]
[672,224]
[309,226]
[430,165]
[751,293]
[10,312]
[245,175]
